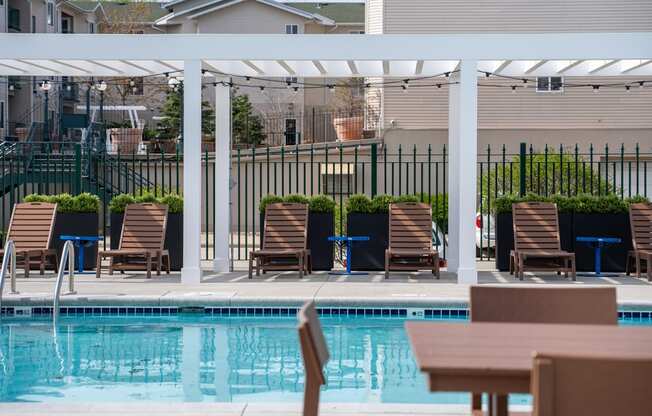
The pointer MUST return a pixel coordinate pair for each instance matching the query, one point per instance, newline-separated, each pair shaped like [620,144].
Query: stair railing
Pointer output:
[68,254]
[8,263]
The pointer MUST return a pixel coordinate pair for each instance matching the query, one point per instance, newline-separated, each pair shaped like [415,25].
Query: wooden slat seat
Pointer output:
[640,219]
[141,241]
[537,244]
[30,228]
[285,238]
[410,239]
[315,356]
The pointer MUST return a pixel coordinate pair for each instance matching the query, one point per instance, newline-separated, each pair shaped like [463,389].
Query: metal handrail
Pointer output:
[68,254]
[10,254]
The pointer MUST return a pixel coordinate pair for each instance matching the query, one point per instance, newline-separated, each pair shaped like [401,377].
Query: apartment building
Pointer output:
[545,112]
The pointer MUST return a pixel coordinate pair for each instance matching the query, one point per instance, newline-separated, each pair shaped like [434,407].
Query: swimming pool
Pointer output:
[208,358]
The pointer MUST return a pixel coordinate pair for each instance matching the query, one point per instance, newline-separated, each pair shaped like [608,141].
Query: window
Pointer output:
[14,19]
[67,24]
[50,14]
[291,136]
[33,24]
[2,112]
[291,29]
[91,27]
[550,84]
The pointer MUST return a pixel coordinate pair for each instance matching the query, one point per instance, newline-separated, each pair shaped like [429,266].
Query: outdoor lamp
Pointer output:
[173,83]
[101,86]
[45,86]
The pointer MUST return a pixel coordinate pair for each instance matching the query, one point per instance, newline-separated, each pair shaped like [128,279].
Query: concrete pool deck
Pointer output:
[234,288]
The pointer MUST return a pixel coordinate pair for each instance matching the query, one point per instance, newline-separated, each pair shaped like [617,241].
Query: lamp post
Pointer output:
[101,87]
[45,86]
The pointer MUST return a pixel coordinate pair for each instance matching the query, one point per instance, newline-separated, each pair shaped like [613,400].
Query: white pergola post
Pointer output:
[462,176]
[222,179]
[192,79]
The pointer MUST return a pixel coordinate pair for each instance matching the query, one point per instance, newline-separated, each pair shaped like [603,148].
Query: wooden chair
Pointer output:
[551,305]
[591,385]
[537,244]
[285,239]
[315,356]
[410,239]
[141,241]
[31,227]
[640,219]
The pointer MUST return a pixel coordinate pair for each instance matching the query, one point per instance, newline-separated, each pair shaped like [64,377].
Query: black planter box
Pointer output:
[321,225]
[505,237]
[368,255]
[614,256]
[81,224]
[173,237]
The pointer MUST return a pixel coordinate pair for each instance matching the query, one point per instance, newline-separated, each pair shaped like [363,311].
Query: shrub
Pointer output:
[119,203]
[608,204]
[147,197]
[86,202]
[174,203]
[268,199]
[36,198]
[322,203]
[65,202]
[359,204]
[439,205]
[380,203]
[583,203]
[297,199]
[637,200]
[406,198]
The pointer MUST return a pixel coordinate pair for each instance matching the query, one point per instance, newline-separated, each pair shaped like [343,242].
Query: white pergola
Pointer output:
[328,56]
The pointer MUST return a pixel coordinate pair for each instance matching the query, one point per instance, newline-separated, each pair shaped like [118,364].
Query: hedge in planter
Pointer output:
[173,233]
[321,225]
[76,215]
[370,217]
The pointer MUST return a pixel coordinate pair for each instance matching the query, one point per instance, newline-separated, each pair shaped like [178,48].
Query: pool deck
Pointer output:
[286,289]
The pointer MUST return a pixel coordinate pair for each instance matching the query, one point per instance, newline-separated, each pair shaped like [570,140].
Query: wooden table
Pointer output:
[496,358]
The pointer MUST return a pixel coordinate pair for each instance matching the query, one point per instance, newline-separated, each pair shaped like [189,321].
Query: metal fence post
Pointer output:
[374,169]
[521,183]
[78,168]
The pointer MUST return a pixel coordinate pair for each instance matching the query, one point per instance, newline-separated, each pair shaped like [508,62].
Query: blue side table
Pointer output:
[81,242]
[348,240]
[597,243]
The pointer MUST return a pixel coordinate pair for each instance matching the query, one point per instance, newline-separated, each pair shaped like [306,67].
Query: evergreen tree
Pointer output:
[247,126]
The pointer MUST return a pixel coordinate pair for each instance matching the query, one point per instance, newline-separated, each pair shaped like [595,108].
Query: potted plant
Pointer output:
[124,138]
[76,215]
[349,119]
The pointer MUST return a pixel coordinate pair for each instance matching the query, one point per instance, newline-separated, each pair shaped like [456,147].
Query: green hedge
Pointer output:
[119,202]
[317,203]
[583,203]
[66,203]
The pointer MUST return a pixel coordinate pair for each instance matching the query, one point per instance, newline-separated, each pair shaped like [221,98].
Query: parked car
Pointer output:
[485,231]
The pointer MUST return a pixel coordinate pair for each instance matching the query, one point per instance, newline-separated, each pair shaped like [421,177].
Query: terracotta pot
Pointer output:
[349,128]
[125,140]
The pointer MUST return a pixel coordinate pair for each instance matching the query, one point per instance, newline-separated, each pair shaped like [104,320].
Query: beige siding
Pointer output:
[465,16]
[374,17]
[246,18]
[499,108]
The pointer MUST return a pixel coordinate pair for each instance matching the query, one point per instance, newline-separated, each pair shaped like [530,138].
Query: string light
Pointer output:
[438,85]
[405,88]
[513,89]
[627,88]
[596,89]
[447,74]
[524,83]
[640,84]
[262,88]
[331,88]
[487,74]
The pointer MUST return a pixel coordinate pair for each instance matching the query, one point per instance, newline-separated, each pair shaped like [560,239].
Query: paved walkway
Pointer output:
[409,289]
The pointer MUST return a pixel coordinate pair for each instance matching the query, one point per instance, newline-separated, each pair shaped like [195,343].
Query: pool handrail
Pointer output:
[68,254]
[9,255]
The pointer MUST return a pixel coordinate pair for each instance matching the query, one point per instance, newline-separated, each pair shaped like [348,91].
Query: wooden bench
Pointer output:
[141,241]
[315,356]
[640,219]
[285,240]
[410,239]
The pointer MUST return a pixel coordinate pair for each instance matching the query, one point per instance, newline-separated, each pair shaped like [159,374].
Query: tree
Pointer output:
[172,114]
[247,127]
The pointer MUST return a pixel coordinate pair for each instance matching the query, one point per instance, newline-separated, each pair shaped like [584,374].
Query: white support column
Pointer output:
[192,77]
[222,179]
[462,177]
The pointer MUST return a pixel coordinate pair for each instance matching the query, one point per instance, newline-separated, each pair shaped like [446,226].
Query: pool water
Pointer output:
[216,359]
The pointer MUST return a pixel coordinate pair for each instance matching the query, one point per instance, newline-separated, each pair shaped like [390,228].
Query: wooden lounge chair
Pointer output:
[537,244]
[285,240]
[141,241]
[315,356]
[591,385]
[640,219]
[571,305]
[31,227]
[410,239]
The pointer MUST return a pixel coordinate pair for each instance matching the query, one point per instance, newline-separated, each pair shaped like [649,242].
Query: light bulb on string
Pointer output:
[404,88]
[640,84]
[513,89]
[627,88]
[524,83]
[331,88]
[596,89]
